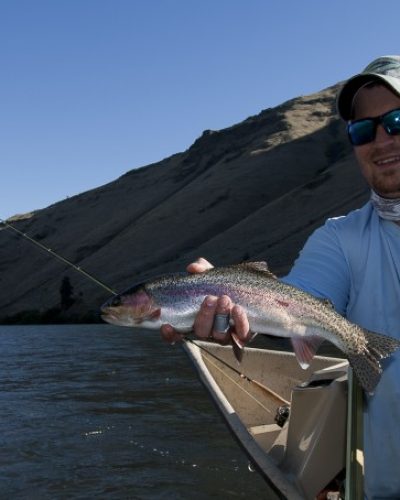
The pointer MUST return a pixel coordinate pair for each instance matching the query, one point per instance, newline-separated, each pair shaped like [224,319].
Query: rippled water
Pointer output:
[97,411]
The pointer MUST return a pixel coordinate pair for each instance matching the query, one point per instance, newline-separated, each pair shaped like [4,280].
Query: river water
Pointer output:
[97,411]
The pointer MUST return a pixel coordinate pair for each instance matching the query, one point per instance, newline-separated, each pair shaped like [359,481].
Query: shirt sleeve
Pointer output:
[322,269]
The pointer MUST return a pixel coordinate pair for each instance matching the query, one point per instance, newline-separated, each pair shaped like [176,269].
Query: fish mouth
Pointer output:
[115,316]
[121,316]
[128,317]
[108,314]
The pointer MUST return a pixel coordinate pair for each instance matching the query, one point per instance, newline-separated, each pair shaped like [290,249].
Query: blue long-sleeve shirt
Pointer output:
[354,261]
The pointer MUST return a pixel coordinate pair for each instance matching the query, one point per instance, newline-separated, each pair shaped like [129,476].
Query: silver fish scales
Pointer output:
[272,307]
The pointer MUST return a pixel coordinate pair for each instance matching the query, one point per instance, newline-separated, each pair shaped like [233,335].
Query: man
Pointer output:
[354,261]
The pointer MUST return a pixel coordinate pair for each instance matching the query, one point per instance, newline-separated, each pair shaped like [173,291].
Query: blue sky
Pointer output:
[93,88]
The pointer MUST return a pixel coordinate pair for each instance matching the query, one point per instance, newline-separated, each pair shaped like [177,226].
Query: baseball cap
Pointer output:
[385,69]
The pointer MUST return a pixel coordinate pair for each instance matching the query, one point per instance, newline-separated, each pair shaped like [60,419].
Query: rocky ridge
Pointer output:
[253,191]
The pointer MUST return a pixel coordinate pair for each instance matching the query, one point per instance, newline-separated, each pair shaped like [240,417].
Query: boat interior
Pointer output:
[291,422]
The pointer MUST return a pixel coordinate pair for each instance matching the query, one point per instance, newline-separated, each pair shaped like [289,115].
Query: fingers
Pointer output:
[207,328]
[170,335]
[199,266]
[205,325]
[223,308]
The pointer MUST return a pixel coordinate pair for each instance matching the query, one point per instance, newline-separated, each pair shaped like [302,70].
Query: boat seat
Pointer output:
[265,435]
[311,445]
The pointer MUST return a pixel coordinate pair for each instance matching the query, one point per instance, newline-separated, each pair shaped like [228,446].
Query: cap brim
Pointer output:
[346,95]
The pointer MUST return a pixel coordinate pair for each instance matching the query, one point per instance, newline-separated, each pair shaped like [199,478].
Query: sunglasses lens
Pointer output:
[391,122]
[364,131]
[361,132]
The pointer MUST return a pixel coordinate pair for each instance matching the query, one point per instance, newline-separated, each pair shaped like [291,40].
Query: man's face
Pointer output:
[380,159]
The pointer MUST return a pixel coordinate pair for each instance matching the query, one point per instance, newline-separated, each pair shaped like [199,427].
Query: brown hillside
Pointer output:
[252,191]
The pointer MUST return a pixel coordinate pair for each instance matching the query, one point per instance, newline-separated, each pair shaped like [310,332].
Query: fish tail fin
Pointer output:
[366,366]
[367,369]
[382,345]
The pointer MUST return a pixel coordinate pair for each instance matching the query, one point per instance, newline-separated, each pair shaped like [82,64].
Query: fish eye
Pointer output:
[115,301]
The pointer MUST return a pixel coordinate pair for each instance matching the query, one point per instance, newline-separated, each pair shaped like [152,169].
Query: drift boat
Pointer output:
[292,423]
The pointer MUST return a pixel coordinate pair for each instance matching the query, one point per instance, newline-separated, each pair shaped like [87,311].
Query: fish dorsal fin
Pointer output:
[260,266]
[305,349]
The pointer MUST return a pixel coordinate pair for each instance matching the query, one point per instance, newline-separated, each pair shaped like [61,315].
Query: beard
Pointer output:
[386,184]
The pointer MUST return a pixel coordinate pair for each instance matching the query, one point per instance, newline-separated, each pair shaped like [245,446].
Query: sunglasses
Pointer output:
[364,131]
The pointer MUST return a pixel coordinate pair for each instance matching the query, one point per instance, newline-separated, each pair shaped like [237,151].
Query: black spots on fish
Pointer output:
[328,303]
[366,364]
[367,369]
[282,303]
[381,345]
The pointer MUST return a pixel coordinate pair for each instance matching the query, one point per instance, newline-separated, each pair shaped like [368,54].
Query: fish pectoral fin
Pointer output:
[305,349]
[237,347]
[237,341]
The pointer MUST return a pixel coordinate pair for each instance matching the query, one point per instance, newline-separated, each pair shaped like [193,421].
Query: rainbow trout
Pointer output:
[272,307]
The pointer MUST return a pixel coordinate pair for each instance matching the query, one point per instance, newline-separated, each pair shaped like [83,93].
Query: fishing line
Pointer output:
[58,256]
[272,394]
[240,387]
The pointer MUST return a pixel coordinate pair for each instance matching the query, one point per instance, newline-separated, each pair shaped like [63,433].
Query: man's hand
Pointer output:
[203,326]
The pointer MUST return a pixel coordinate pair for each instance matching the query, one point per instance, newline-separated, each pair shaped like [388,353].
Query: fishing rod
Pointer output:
[263,387]
[9,226]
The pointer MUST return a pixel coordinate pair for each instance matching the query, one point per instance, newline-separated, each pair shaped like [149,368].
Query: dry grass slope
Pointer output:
[255,190]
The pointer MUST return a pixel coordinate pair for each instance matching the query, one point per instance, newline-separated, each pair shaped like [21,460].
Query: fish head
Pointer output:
[134,307]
